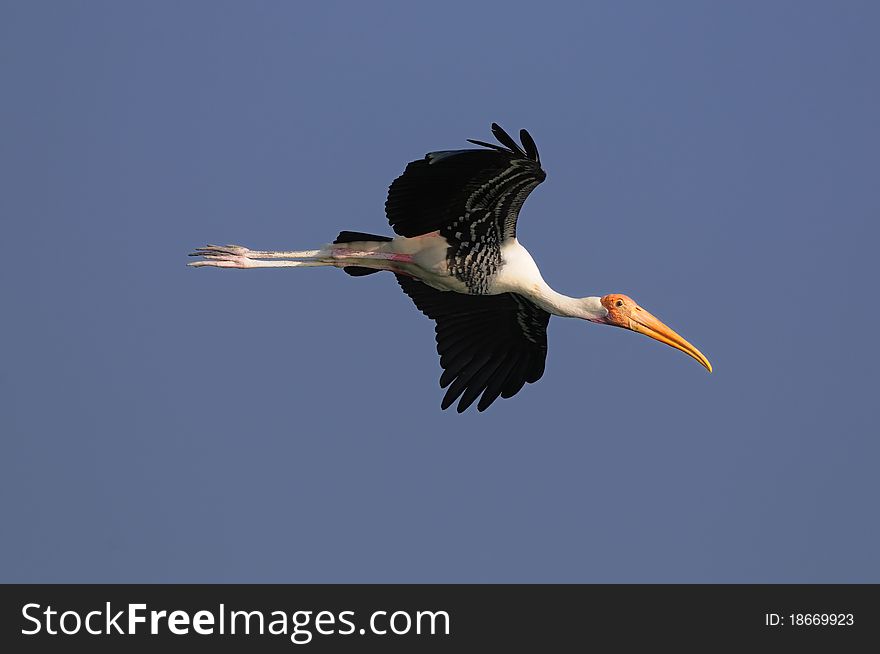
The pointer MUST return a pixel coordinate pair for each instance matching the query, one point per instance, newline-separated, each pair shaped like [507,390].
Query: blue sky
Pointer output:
[717,162]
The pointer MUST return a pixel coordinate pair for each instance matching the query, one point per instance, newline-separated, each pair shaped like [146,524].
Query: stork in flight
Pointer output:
[456,256]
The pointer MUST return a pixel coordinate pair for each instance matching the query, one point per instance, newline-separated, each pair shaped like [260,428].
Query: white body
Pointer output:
[518,272]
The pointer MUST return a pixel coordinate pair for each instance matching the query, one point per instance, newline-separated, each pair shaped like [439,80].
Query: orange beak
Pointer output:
[644,323]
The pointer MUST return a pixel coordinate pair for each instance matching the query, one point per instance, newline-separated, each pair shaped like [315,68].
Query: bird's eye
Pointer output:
[619,303]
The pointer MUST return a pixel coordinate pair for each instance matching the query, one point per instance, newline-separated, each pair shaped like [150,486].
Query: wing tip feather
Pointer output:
[528,149]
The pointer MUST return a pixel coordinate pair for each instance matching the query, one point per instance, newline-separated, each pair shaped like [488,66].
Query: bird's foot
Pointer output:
[224,256]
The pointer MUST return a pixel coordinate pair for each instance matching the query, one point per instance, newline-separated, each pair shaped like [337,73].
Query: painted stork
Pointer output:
[456,256]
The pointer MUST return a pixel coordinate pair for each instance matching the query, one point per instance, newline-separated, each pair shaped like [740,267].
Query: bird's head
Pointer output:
[624,312]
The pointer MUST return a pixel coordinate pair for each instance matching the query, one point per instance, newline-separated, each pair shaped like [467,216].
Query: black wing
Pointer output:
[472,197]
[489,344]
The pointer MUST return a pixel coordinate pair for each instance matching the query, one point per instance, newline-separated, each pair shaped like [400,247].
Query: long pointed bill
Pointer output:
[644,323]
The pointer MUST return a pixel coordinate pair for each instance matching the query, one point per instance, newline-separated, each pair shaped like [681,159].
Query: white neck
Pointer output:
[587,308]
[520,274]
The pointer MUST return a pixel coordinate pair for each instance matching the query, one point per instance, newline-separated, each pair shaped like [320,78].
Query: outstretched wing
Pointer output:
[472,197]
[488,344]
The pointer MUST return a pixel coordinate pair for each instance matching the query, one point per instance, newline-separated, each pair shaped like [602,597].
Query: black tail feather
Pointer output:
[359,271]
[351,237]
